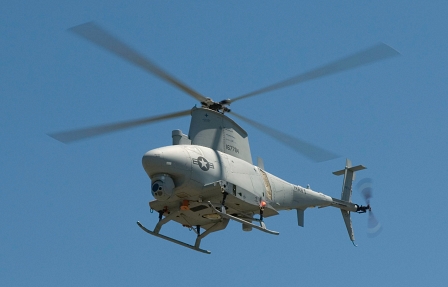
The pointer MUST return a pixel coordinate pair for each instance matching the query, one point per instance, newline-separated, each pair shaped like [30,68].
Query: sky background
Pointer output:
[68,212]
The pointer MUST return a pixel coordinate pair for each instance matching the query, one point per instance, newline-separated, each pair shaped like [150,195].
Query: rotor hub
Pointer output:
[220,107]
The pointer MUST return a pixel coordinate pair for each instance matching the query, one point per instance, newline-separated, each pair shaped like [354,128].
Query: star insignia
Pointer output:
[203,163]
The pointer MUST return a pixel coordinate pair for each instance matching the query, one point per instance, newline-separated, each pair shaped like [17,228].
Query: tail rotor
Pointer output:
[373,225]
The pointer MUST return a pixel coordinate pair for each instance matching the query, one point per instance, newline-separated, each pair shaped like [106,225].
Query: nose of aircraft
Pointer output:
[172,160]
[153,160]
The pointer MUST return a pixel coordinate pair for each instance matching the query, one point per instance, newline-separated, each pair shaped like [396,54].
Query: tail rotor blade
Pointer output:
[373,226]
[365,187]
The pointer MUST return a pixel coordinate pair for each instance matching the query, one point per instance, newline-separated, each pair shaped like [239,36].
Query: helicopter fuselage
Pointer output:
[183,172]
[207,178]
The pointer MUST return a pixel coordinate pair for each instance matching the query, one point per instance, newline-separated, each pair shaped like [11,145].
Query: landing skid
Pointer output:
[228,216]
[218,225]
[172,239]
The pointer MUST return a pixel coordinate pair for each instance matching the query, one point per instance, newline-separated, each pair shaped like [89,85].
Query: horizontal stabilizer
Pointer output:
[353,169]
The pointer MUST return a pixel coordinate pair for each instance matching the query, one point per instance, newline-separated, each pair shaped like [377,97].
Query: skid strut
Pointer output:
[224,196]
[262,224]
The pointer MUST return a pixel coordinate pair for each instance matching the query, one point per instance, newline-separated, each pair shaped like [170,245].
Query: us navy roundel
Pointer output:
[203,163]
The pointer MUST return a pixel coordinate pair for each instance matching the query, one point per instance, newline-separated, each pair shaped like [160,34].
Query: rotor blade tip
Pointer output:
[82,26]
[59,138]
[388,50]
[328,158]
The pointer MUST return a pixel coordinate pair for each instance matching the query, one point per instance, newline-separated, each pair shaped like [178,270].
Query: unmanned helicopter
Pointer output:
[207,178]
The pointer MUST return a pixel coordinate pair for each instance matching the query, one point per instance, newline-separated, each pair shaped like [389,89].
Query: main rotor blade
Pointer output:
[75,135]
[104,39]
[310,151]
[376,53]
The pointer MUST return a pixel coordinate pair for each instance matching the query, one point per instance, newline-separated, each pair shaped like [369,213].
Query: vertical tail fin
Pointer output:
[346,195]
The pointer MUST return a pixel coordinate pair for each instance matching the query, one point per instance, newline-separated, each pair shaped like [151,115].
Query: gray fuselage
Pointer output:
[192,167]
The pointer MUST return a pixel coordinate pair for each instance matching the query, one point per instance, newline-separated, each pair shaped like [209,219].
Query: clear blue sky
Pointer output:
[68,212]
